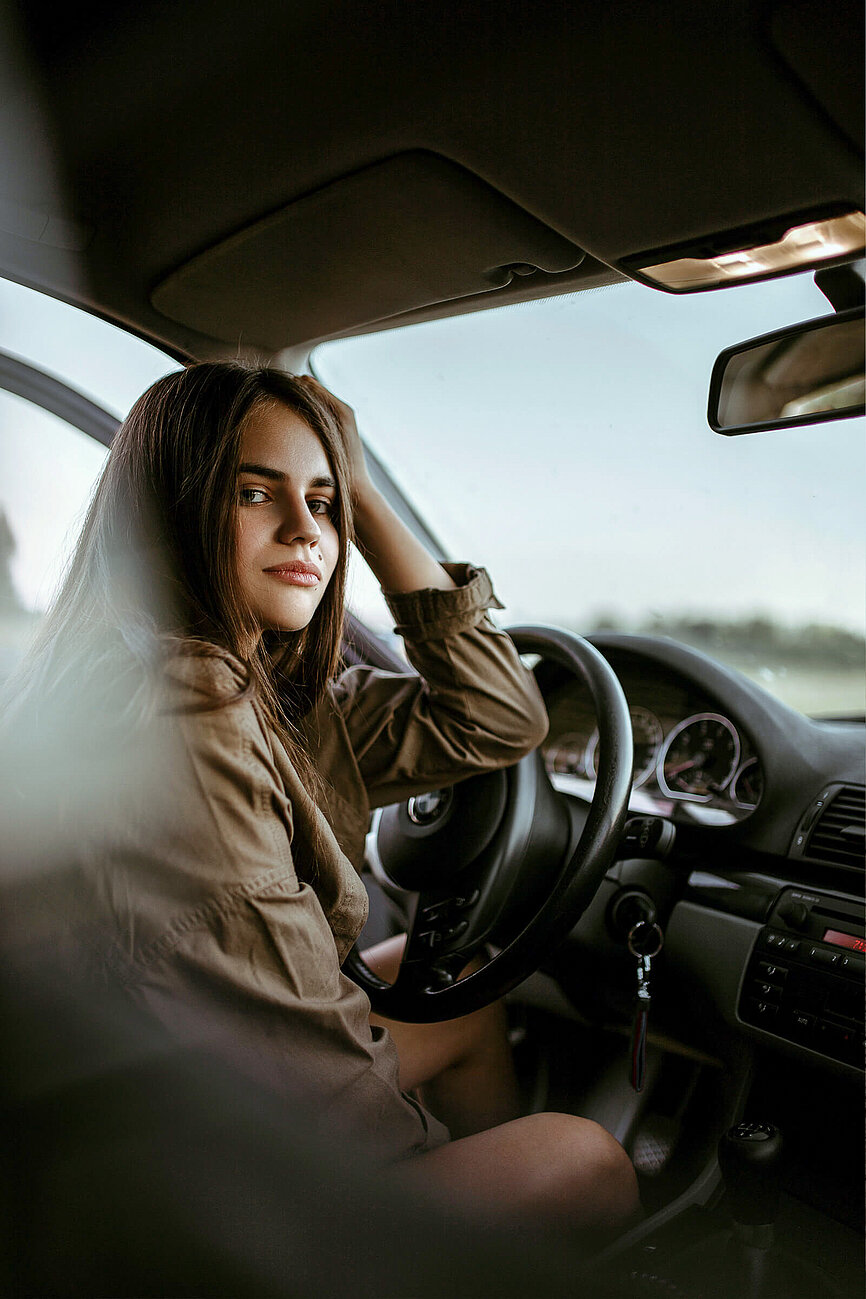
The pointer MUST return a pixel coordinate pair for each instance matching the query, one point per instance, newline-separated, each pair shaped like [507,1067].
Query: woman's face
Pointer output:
[287,545]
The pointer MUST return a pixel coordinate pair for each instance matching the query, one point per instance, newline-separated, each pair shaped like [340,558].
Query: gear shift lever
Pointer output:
[746,1262]
[750,1159]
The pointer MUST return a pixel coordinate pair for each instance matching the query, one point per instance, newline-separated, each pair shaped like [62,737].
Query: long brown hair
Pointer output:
[155,568]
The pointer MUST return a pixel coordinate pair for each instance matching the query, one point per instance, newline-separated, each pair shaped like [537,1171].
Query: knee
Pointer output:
[613,1175]
[597,1181]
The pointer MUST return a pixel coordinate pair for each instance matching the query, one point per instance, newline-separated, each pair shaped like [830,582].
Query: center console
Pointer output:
[804,981]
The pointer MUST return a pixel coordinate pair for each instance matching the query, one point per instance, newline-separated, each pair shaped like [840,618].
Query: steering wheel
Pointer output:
[501,858]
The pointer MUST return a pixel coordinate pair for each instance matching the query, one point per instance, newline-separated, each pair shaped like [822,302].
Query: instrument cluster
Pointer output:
[686,754]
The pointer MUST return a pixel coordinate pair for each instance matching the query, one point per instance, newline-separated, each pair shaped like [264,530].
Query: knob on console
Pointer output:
[795,914]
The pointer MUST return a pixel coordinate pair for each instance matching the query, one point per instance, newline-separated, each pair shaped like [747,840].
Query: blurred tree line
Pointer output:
[754,640]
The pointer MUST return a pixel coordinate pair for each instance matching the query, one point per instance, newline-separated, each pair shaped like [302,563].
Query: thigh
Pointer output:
[554,1168]
[424,1050]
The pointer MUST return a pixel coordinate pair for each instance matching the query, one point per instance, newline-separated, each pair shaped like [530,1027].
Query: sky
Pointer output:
[563,444]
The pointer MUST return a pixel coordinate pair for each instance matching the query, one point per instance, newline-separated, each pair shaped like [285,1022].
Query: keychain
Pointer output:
[645,941]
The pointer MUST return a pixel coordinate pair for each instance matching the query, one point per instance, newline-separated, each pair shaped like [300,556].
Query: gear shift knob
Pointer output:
[749,1157]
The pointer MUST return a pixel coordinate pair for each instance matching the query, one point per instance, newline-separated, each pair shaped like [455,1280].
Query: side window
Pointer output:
[365,600]
[48,467]
[48,471]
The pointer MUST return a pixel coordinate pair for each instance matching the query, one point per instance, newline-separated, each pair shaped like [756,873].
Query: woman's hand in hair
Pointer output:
[362,485]
[396,556]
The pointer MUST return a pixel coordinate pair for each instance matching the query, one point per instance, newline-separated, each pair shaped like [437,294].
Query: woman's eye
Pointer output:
[252,496]
[322,507]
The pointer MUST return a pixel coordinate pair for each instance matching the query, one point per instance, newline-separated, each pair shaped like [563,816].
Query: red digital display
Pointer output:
[844,940]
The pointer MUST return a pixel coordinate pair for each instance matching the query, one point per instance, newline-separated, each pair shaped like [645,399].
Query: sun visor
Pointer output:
[408,232]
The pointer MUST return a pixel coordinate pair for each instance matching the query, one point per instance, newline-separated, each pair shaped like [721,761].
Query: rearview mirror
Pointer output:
[803,374]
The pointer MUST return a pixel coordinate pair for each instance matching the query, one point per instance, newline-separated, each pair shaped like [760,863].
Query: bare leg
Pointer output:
[462,1069]
[551,1170]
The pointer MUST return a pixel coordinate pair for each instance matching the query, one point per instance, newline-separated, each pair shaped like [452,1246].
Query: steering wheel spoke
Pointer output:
[500,857]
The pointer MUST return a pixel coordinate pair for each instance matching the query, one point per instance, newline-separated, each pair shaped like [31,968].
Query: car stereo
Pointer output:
[804,981]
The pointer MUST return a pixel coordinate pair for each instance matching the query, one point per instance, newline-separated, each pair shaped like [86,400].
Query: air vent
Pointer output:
[839,835]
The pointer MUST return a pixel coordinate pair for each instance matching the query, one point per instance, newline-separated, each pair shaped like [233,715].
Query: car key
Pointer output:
[645,940]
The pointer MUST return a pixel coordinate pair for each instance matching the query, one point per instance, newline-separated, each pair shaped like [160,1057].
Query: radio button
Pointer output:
[762,1011]
[768,991]
[770,971]
[792,945]
[802,1022]
[844,1043]
[821,956]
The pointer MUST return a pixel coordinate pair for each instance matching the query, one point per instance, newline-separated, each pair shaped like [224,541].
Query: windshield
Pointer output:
[564,445]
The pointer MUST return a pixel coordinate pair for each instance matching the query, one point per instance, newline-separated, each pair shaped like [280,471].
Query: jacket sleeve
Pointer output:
[472,707]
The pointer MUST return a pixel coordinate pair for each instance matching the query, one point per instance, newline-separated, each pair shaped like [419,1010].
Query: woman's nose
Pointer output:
[298,524]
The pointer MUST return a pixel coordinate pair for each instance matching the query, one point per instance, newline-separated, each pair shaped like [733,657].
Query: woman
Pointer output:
[191,662]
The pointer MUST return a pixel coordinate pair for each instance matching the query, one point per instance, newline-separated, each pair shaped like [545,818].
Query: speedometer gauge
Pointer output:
[647,734]
[699,758]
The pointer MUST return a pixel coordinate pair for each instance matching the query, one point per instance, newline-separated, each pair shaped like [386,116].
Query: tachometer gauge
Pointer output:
[748,784]
[698,758]
[647,734]
[566,755]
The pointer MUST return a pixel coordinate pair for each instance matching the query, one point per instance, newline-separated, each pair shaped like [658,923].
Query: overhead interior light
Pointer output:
[717,261]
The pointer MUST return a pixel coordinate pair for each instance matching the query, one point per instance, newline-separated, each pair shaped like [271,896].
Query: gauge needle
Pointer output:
[684,766]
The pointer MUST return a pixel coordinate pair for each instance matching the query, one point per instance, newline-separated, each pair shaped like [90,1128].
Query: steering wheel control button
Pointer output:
[430,938]
[464,902]
[456,930]
[427,809]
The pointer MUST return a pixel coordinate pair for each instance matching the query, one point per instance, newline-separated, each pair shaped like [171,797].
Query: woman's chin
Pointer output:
[292,610]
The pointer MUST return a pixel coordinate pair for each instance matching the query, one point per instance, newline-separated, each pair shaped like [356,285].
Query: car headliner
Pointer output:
[233,179]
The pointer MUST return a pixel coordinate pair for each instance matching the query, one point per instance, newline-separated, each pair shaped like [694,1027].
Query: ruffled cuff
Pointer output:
[432,614]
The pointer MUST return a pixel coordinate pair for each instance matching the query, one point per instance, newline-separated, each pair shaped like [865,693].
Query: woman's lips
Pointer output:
[296,574]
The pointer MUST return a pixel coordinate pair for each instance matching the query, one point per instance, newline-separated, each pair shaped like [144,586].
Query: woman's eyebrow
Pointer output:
[277,476]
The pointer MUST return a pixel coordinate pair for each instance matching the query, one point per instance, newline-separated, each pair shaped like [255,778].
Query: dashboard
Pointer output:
[761,897]
[711,747]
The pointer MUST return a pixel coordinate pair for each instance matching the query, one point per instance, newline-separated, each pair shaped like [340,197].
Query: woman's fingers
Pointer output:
[345,418]
[341,410]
